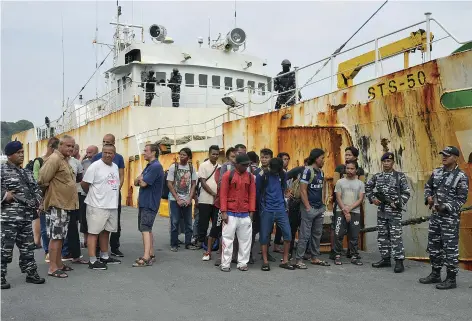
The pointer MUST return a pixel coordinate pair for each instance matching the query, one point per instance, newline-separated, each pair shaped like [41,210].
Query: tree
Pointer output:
[10,128]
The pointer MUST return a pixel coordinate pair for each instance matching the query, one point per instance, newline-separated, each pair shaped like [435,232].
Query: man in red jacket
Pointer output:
[238,203]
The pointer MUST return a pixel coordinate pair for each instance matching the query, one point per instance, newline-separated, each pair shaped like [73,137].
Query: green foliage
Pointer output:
[9,128]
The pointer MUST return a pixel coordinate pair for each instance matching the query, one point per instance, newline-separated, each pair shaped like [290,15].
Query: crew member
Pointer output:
[21,198]
[150,88]
[284,83]
[445,192]
[174,85]
[392,194]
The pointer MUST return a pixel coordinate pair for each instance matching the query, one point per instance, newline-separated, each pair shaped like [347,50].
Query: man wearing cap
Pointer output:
[238,203]
[20,199]
[392,194]
[445,193]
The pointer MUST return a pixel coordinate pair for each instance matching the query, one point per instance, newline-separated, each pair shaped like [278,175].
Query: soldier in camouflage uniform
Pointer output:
[445,192]
[392,194]
[285,83]
[174,85]
[21,197]
[150,88]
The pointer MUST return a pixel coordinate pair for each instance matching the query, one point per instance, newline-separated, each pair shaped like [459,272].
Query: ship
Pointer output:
[227,98]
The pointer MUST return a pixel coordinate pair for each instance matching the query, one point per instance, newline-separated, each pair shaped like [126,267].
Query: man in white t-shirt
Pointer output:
[206,199]
[102,183]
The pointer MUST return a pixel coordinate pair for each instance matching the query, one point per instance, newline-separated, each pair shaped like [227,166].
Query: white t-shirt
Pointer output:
[77,168]
[205,170]
[104,183]
[350,190]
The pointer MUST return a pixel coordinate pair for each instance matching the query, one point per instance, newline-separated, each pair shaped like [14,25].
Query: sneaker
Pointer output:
[191,247]
[117,252]
[174,249]
[97,265]
[66,258]
[206,257]
[110,260]
[5,284]
[33,277]
[46,258]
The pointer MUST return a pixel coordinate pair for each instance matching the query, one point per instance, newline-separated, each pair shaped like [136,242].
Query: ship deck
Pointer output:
[179,286]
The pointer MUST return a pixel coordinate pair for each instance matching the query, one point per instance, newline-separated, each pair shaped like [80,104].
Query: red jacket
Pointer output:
[240,197]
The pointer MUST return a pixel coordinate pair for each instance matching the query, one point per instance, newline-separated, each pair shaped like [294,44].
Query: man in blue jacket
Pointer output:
[270,188]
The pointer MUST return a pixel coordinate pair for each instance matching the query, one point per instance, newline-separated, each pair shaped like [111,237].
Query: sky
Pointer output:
[304,32]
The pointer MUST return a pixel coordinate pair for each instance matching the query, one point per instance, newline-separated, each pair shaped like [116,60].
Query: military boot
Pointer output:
[433,277]
[33,277]
[5,284]
[385,262]
[399,268]
[448,283]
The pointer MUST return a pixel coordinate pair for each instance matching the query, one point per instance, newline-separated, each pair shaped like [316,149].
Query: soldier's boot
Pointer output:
[433,277]
[385,262]
[448,283]
[399,268]
[33,277]
[5,284]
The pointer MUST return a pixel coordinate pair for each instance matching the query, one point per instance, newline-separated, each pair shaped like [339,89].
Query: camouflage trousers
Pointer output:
[149,98]
[389,238]
[175,99]
[443,239]
[21,233]
[284,100]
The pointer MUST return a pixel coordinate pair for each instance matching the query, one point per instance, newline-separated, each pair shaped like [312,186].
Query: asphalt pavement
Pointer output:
[180,286]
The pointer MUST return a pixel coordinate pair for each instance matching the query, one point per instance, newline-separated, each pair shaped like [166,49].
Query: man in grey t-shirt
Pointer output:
[349,196]
[181,180]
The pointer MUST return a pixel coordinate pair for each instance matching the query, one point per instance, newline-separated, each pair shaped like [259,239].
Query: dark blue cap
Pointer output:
[12,147]
[387,155]
[450,150]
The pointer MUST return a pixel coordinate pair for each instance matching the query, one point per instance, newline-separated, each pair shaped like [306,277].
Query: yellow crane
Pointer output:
[348,69]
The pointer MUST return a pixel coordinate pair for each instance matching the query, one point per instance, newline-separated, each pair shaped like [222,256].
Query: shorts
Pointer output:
[102,219]
[83,214]
[146,218]
[57,221]
[267,224]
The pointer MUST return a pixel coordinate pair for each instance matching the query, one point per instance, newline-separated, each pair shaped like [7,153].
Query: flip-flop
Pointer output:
[321,263]
[301,266]
[58,274]
[337,261]
[265,267]
[66,268]
[287,266]
[243,268]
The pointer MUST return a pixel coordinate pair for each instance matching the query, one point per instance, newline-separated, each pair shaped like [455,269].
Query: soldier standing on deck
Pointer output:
[174,85]
[392,194]
[150,88]
[285,83]
[21,197]
[445,192]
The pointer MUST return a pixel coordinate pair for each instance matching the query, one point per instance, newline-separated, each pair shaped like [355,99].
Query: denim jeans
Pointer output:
[45,238]
[176,213]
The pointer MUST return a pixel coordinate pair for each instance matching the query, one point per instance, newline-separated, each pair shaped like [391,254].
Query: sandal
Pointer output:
[321,263]
[66,268]
[243,268]
[153,258]
[265,267]
[142,262]
[356,261]
[301,266]
[58,274]
[287,266]
[337,260]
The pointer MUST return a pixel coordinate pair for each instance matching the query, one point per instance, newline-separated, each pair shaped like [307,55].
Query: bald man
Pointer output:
[109,139]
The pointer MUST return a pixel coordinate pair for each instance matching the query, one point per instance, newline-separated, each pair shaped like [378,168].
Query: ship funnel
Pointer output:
[157,32]
[234,39]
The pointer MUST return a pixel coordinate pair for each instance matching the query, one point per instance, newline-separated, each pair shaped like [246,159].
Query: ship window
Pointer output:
[203,81]
[124,82]
[216,81]
[261,87]
[133,55]
[160,77]
[189,80]
[240,84]
[118,83]
[251,84]
[228,83]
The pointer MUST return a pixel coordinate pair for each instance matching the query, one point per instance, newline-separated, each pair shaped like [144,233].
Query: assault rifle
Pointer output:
[411,221]
[384,200]
[24,201]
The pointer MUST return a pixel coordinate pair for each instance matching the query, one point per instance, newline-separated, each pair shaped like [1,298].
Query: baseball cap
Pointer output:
[450,150]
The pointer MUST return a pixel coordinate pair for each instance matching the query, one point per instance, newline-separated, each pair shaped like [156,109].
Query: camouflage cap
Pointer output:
[450,150]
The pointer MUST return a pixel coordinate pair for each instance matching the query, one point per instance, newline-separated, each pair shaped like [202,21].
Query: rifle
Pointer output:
[411,221]
[24,201]
[384,200]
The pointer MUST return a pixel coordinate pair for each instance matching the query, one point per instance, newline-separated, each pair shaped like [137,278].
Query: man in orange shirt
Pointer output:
[238,203]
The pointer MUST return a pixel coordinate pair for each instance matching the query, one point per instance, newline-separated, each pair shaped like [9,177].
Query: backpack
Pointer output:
[165,188]
[231,175]
[199,184]
[296,184]
[30,164]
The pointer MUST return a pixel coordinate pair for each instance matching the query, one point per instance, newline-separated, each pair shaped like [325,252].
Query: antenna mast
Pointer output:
[209,32]
[235,13]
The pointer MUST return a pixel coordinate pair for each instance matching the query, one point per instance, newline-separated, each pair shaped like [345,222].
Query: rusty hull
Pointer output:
[411,123]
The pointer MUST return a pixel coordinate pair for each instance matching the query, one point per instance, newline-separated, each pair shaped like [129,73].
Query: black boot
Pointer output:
[448,283]
[5,284]
[385,262]
[33,277]
[433,277]
[399,268]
